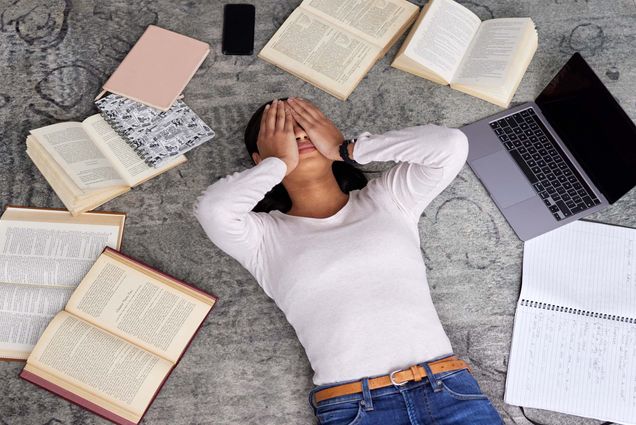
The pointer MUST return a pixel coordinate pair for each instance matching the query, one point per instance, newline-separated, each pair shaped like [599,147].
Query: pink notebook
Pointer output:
[157,68]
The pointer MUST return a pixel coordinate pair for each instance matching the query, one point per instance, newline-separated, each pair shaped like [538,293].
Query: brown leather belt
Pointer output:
[400,377]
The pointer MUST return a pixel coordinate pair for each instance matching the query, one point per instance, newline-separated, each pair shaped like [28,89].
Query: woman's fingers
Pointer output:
[300,110]
[270,123]
[289,121]
[300,119]
[280,116]
[309,107]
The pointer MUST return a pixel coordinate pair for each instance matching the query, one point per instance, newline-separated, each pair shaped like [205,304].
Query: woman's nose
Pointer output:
[299,132]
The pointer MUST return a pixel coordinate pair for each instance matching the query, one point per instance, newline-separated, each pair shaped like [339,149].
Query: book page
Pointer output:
[311,48]
[58,254]
[143,310]
[72,148]
[129,165]
[25,311]
[107,366]
[443,37]
[375,20]
[492,53]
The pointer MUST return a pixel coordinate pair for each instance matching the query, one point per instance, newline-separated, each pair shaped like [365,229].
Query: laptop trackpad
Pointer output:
[503,179]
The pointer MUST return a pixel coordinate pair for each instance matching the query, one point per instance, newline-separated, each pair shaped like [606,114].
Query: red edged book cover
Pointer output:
[99,410]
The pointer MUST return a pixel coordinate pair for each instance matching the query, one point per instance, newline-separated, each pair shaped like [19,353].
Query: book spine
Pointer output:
[577,311]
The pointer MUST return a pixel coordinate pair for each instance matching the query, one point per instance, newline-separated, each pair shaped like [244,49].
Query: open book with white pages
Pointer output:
[574,341]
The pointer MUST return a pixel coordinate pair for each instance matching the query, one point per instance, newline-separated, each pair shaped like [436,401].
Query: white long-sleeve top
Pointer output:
[353,285]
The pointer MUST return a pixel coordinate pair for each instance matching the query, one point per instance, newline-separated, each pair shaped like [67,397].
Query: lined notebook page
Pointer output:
[574,340]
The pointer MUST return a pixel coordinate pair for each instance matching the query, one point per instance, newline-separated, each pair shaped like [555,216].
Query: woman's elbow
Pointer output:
[458,144]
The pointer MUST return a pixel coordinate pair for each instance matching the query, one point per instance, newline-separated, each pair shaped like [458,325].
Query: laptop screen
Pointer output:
[593,126]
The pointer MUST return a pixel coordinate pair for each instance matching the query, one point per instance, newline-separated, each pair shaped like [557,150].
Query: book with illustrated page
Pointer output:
[119,337]
[87,163]
[44,254]
[156,136]
[333,44]
[450,45]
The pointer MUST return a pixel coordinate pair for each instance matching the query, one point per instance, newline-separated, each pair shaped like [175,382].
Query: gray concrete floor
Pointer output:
[246,365]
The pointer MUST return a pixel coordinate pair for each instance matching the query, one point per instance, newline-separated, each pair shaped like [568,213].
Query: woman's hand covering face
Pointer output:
[321,131]
[276,136]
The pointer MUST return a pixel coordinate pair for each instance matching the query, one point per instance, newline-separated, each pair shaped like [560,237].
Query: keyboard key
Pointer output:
[532,162]
[558,173]
[540,176]
[563,166]
[536,156]
[529,174]
[522,150]
[509,145]
[560,190]
[568,172]
[572,192]
[578,208]
[556,197]
[551,190]
[566,197]
[571,204]
[552,152]
[557,216]
[544,195]
[588,201]
[547,202]
[546,169]
[499,131]
[553,165]
[541,163]
[564,209]
[550,176]
[535,169]
[526,156]
[525,113]
[554,208]
[494,124]
[504,138]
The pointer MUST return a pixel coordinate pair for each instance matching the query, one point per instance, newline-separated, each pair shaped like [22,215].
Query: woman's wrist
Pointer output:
[345,151]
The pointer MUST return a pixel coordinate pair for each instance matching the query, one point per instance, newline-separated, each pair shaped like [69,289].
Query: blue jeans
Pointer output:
[454,399]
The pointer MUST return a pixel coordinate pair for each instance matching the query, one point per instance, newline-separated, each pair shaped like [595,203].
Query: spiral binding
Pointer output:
[580,312]
[116,126]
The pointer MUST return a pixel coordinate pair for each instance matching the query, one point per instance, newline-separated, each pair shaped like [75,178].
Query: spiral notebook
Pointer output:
[574,340]
[156,136]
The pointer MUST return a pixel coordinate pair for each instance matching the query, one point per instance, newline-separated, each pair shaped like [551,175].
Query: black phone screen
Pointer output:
[238,29]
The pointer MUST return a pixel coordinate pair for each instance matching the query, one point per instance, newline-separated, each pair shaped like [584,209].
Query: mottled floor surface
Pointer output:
[246,366]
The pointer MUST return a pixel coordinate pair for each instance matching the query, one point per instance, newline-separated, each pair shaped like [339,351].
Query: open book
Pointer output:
[87,163]
[44,254]
[450,45]
[333,44]
[120,335]
[574,340]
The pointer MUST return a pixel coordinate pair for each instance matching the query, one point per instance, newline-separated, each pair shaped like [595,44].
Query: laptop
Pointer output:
[569,154]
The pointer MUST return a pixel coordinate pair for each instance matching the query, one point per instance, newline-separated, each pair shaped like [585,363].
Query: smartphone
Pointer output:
[238,29]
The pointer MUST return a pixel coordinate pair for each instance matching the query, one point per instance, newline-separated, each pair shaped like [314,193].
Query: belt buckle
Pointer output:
[392,378]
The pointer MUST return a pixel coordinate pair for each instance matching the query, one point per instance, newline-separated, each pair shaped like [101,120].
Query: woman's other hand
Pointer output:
[321,131]
[276,136]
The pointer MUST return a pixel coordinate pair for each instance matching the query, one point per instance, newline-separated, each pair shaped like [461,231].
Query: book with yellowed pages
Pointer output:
[449,44]
[88,163]
[119,337]
[44,254]
[333,44]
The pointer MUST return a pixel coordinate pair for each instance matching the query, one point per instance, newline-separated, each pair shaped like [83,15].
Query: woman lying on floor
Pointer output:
[341,257]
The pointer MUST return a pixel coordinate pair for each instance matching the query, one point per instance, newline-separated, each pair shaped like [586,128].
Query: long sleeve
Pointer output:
[429,157]
[224,209]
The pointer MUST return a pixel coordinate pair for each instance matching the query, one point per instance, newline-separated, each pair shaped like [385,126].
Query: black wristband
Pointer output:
[344,151]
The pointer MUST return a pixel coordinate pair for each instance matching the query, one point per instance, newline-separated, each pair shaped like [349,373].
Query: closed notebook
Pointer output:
[157,68]
[156,136]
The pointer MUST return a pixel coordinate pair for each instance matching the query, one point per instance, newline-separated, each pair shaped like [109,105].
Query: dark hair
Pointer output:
[348,176]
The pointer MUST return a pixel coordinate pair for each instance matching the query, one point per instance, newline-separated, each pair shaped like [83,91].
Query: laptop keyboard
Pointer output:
[543,162]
